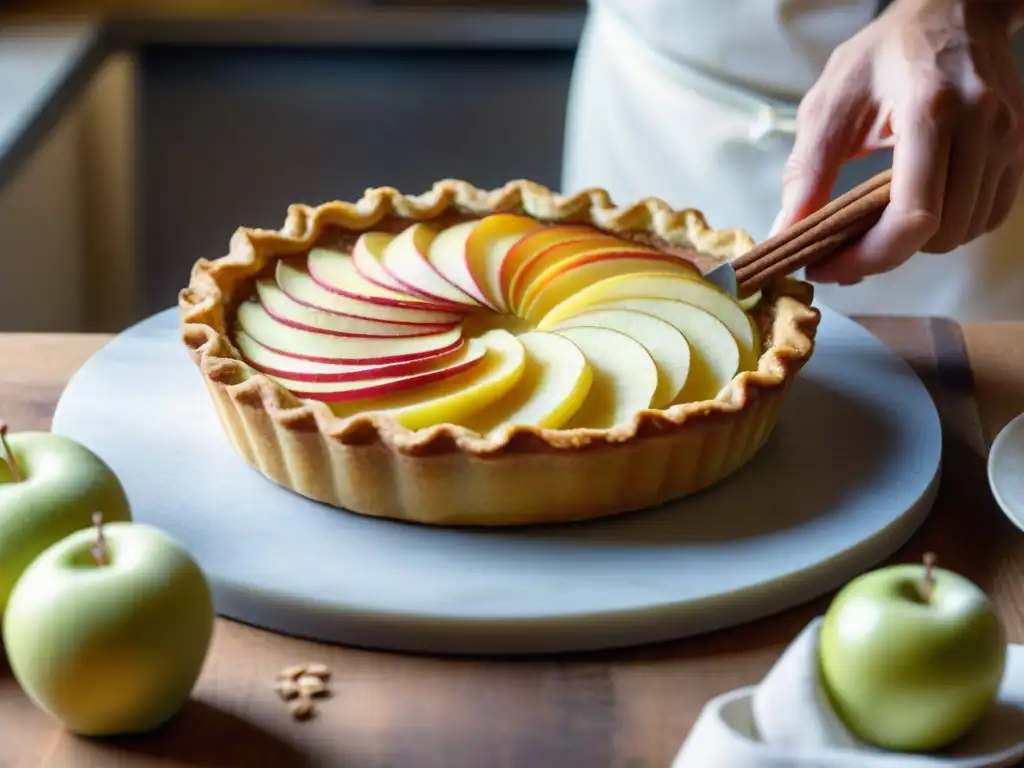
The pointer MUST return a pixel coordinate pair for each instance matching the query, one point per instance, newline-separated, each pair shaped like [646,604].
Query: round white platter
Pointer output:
[847,477]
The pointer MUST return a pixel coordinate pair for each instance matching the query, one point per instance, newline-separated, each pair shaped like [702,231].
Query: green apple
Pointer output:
[49,487]
[107,630]
[911,656]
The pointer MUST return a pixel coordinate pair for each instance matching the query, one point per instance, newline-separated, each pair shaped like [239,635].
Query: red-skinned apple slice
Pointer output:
[455,398]
[535,265]
[469,254]
[405,259]
[266,360]
[293,279]
[447,255]
[530,277]
[335,271]
[532,243]
[289,312]
[367,255]
[340,392]
[320,347]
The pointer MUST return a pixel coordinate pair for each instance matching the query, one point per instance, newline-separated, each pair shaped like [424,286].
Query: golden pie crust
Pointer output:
[448,475]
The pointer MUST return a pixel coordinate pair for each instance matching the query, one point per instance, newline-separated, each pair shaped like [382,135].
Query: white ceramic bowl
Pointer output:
[1006,470]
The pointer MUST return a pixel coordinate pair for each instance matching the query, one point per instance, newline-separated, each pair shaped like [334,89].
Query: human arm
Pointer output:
[936,80]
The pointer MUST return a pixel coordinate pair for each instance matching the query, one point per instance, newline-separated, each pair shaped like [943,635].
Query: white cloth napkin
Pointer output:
[786,721]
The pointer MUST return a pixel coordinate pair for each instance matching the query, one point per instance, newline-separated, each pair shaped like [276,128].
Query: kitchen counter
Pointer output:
[631,707]
[50,50]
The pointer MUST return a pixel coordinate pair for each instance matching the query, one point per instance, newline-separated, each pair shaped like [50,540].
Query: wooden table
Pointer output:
[629,708]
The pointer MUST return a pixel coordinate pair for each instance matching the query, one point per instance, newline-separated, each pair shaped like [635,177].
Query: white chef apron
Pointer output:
[694,102]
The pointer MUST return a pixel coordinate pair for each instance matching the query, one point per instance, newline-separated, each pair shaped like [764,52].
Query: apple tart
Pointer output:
[503,357]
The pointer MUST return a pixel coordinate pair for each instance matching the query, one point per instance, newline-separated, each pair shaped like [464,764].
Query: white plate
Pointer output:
[859,444]
[1006,470]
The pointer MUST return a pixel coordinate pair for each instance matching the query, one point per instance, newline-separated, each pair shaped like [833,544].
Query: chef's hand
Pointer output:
[934,79]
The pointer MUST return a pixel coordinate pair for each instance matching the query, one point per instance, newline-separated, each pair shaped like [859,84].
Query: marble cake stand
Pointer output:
[859,442]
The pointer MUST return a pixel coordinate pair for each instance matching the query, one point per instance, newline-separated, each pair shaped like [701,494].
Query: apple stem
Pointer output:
[99,550]
[929,576]
[8,454]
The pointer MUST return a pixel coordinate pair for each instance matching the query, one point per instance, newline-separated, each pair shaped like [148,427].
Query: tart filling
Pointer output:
[497,322]
[492,358]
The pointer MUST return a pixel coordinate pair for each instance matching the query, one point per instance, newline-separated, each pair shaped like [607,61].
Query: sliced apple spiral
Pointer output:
[418,325]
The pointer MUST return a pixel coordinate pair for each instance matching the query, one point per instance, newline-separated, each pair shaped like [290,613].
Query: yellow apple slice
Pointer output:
[321,347]
[556,286]
[750,301]
[528,271]
[663,341]
[625,377]
[714,353]
[367,254]
[272,363]
[334,271]
[553,386]
[293,279]
[488,245]
[290,312]
[660,285]
[533,243]
[405,259]
[359,389]
[454,399]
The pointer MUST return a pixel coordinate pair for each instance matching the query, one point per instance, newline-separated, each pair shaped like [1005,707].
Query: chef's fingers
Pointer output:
[1006,152]
[919,170]
[1005,196]
[967,164]
[978,153]
[828,133]
[984,200]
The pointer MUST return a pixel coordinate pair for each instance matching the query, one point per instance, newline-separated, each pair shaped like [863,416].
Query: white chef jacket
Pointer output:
[694,101]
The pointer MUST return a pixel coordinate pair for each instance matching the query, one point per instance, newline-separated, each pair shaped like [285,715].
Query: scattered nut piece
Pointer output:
[302,708]
[287,688]
[311,686]
[318,670]
[291,673]
[299,683]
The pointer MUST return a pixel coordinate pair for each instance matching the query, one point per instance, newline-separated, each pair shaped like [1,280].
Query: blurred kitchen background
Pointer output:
[136,136]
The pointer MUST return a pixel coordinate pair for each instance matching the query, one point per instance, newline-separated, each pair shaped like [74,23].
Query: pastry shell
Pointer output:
[446,474]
